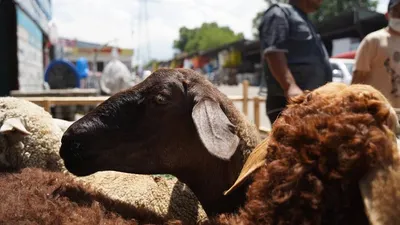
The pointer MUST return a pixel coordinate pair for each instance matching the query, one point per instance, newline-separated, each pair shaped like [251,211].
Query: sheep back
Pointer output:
[167,197]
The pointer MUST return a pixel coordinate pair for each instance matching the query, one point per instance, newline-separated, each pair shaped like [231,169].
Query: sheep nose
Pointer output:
[76,146]
[71,149]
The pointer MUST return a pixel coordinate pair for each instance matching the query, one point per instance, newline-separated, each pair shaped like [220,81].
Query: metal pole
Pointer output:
[95,61]
[96,52]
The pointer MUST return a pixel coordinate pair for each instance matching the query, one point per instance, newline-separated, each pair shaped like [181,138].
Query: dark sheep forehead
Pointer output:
[180,73]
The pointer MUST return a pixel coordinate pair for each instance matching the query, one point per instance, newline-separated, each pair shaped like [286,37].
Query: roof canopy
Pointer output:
[355,23]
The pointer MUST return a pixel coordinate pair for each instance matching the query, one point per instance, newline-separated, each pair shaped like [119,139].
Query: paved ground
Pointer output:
[253,91]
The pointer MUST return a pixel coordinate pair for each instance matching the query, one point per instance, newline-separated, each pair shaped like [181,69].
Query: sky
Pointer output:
[102,21]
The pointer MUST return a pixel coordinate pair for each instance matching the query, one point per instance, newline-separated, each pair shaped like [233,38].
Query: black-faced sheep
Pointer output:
[174,122]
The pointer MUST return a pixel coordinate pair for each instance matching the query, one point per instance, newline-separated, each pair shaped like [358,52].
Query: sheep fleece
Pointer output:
[152,192]
[41,147]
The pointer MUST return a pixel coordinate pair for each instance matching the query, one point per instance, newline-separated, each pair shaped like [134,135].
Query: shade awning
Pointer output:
[355,23]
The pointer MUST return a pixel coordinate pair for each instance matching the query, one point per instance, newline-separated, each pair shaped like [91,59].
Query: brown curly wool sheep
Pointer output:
[318,156]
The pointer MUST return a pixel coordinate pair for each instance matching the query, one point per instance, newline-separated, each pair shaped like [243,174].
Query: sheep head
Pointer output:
[331,90]
[12,131]
[153,127]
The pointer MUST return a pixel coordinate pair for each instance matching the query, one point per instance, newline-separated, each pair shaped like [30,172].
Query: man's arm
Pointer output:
[359,77]
[274,32]
[277,63]
[363,60]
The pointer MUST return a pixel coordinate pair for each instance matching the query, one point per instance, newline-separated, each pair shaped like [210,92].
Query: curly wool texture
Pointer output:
[318,151]
[40,149]
[169,198]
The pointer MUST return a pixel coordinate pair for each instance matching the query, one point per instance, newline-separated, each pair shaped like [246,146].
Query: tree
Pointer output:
[329,8]
[207,36]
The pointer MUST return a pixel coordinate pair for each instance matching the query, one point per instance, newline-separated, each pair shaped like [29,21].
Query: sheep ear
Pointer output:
[393,121]
[215,130]
[255,160]
[14,124]
[379,190]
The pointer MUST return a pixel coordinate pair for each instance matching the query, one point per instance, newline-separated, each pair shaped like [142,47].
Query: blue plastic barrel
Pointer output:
[62,74]
[83,67]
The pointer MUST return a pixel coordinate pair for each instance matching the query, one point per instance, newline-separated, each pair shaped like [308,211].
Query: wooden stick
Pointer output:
[245,96]
[257,111]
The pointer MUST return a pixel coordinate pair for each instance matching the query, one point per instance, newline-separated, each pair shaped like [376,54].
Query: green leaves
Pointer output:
[329,9]
[208,36]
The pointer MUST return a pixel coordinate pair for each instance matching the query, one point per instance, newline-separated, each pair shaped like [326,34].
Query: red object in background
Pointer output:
[346,55]
[199,61]
[103,50]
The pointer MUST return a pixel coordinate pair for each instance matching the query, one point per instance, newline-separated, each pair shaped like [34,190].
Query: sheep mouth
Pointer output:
[80,168]
[81,165]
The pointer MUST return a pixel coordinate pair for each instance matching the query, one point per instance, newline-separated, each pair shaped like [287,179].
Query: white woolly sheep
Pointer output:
[28,136]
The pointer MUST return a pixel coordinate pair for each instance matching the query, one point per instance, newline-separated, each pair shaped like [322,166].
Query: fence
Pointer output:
[48,102]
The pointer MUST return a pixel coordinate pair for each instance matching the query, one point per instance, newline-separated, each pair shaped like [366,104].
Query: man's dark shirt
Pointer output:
[286,28]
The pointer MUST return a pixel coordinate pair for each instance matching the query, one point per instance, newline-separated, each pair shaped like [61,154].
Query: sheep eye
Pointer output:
[161,100]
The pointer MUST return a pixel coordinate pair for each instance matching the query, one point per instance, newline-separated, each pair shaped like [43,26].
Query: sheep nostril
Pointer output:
[76,146]
[76,149]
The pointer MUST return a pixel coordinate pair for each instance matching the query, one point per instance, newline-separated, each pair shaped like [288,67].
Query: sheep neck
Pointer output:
[208,182]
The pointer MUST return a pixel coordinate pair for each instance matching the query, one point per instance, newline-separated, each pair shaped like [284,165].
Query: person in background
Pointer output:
[294,57]
[378,57]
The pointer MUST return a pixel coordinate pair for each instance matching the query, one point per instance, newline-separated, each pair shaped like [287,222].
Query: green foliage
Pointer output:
[208,36]
[329,8]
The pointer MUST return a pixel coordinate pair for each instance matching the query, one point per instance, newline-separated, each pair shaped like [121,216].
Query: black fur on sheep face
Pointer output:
[173,122]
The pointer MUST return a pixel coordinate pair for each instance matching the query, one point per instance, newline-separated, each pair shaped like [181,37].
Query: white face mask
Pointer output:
[394,23]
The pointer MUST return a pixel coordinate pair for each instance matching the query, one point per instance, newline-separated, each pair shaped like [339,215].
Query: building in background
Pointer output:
[24,43]
[73,49]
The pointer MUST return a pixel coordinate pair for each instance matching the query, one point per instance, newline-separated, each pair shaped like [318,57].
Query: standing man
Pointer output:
[378,57]
[294,56]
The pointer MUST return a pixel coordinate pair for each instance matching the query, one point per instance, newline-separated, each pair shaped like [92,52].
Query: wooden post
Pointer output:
[245,84]
[257,111]
[47,105]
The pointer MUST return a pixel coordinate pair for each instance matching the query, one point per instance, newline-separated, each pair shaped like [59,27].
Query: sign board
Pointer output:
[30,53]
[89,52]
